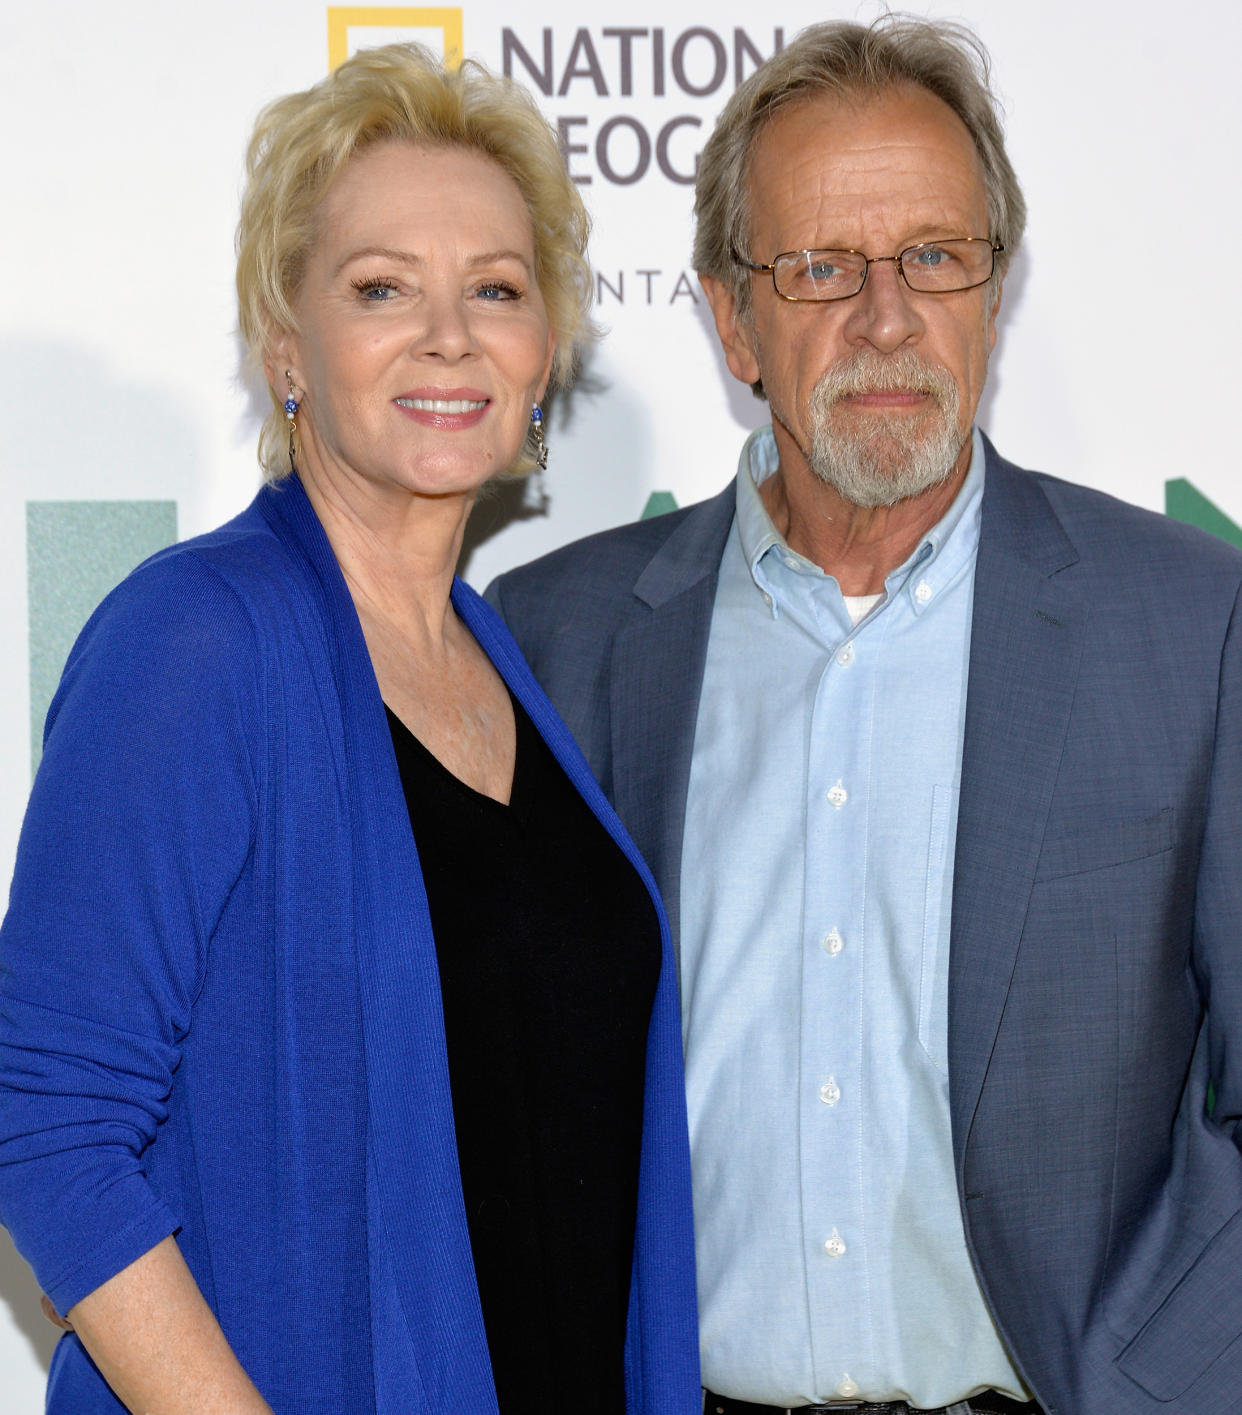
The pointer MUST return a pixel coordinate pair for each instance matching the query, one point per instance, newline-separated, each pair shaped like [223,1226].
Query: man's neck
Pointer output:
[860,546]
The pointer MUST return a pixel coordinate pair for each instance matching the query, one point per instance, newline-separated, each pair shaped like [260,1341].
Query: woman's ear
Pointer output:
[280,362]
[546,376]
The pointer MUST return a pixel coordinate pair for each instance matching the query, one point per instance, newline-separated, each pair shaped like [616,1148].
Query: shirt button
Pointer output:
[847,1387]
[845,655]
[922,592]
[832,942]
[838,796]
[830,1092]
[835,1246]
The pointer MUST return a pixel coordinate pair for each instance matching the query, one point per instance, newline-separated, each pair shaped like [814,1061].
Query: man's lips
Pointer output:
[886,398]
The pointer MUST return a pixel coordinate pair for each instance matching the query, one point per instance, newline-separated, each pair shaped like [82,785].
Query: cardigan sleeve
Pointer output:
[140,823]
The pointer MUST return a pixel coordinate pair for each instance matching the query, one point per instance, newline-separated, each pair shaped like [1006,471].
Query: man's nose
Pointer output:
[885,312]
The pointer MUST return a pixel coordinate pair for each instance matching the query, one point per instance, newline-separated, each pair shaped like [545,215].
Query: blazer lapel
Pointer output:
[657,671]
[1026,642]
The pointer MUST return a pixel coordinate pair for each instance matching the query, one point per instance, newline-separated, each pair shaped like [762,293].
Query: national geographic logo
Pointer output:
[654,68]
[354,27]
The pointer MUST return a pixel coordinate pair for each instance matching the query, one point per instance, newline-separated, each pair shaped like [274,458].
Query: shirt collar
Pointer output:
[949,544]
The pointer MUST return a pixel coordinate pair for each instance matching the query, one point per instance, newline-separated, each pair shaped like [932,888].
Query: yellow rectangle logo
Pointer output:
[354,27]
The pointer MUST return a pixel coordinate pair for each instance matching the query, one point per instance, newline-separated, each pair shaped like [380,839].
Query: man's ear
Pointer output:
[993,312]
[736,335]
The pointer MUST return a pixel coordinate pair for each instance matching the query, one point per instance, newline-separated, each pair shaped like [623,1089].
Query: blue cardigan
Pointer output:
[219,1005]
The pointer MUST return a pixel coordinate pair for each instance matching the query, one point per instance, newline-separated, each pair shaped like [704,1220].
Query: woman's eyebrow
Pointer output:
[408,258]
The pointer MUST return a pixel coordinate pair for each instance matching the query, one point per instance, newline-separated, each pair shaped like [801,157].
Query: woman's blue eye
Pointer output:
[498,290]
[374,291]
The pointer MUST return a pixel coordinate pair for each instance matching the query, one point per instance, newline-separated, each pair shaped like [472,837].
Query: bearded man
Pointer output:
[938,764]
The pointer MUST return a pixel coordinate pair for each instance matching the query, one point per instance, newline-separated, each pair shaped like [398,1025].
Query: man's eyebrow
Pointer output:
[919,236]
[408,258]
[929,235]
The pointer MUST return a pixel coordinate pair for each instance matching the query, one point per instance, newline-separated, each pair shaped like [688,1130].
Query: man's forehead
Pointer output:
[899,154]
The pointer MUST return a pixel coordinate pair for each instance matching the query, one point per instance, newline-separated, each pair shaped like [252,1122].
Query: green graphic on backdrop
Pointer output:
[76,551]
[1184,502]
[658,504]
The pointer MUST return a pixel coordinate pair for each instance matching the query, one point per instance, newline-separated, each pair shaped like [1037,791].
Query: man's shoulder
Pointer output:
[607,566]
[1103,527]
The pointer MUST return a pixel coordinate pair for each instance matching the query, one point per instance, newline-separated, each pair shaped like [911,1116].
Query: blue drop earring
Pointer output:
[291,412]
[536,429]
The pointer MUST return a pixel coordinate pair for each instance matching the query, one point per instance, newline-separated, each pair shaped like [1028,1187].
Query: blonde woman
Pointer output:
[339,1052]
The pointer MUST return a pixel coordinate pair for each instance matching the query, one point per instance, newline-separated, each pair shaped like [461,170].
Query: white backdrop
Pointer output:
[124,127]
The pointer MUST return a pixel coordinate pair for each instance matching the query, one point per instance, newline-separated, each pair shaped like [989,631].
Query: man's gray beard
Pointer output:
[885,457]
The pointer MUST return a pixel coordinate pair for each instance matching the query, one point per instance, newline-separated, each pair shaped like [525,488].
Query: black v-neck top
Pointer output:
[549,952]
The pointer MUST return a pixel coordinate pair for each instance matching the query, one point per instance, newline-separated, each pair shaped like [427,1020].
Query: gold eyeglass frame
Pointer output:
[868,261]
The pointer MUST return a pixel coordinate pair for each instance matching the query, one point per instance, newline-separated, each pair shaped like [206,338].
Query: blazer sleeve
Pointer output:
[140,822]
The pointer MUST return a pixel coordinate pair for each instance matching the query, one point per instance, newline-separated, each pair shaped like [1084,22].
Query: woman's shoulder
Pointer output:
[205,599]
[244,560]
[196,627]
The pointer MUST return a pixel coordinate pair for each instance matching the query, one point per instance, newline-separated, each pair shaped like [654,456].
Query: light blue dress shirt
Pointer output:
[816,890]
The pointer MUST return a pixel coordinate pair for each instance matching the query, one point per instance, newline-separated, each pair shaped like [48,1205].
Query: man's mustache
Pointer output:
[866,371]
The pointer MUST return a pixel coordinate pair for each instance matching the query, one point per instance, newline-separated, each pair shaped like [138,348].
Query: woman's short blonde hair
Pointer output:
[399,92]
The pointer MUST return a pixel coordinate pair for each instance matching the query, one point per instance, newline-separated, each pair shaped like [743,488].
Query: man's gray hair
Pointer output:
[841,57]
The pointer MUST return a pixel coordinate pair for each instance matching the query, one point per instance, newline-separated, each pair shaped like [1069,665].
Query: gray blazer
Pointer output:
[1095,991]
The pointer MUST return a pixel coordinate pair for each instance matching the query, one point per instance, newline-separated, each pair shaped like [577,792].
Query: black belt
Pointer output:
[989,1403]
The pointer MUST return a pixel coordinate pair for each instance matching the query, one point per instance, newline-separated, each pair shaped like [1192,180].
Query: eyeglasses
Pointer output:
[932,268]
